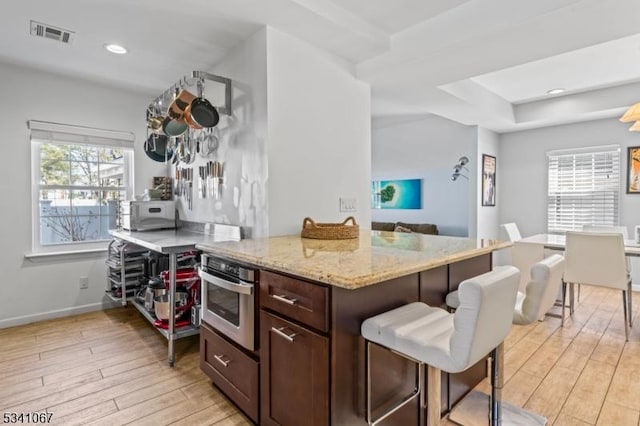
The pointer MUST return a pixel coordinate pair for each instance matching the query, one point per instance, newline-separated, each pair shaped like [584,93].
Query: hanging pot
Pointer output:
[155,123]
[203,113]
[174,126]
[156,148]
[189,120]
[183,100]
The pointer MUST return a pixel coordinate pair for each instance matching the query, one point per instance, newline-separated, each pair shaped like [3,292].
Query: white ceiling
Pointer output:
[479,62]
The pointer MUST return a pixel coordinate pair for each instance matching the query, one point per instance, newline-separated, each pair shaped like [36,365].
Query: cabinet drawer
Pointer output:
[231,370]
[300,300]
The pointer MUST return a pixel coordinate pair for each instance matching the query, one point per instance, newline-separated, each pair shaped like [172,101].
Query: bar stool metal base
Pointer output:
[418,392]
[473,410]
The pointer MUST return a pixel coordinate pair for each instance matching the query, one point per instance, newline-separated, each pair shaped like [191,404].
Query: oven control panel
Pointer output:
[214,264]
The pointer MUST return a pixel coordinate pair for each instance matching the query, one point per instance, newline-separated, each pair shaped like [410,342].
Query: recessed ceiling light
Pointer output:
[555,91]
[115,48]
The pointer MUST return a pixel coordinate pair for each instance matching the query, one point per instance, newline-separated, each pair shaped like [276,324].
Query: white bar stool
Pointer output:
[539,295]
[448,342]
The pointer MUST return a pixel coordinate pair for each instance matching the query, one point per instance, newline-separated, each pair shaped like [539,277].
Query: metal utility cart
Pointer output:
[170,242]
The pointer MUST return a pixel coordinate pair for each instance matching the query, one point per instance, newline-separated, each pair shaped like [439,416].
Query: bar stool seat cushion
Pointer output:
[399,328]
[451,342]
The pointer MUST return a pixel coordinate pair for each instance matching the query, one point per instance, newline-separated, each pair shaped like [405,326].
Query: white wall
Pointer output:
[34,289]
[319,136]
[242,143]
[522,172]
[426,148]
[487,216]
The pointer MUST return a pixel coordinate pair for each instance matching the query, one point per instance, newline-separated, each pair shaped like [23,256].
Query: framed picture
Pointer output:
[488,180]
[396,194]
[633,170]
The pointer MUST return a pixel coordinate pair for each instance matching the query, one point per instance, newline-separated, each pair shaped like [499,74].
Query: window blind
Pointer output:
[46,132]
[584,188]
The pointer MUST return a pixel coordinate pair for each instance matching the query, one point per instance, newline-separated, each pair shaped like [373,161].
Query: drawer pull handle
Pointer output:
[285,299]
[278,331]
[221,360]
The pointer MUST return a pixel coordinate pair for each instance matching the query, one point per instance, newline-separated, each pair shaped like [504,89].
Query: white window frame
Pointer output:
[602,193]
[41,133]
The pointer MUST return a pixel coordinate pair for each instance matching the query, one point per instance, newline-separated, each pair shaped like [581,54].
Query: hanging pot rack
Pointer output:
[198,79]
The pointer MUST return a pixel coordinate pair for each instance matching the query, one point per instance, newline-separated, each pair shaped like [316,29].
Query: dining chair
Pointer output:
[598,259]
[608,229]
[512,231]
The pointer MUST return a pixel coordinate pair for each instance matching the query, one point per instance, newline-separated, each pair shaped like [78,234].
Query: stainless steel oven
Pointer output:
[228,298]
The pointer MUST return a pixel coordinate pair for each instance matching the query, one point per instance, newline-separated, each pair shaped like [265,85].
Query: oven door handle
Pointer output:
[240,287]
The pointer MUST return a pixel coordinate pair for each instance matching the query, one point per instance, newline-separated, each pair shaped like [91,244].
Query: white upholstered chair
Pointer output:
[446,341]
[539,295]
[608,230]
[512,231]
[598,259]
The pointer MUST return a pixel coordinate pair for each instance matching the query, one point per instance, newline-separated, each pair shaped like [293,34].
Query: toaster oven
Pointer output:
[148,215]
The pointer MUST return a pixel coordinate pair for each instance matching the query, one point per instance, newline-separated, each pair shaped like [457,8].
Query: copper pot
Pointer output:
[189,120]
[179,105]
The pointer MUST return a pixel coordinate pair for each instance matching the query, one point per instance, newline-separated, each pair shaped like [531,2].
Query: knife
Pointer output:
[190,188]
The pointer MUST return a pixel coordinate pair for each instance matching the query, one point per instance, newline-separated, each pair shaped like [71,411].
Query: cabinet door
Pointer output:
[294,386]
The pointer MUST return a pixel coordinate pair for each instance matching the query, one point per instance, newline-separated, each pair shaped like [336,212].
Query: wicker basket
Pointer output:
[330,231]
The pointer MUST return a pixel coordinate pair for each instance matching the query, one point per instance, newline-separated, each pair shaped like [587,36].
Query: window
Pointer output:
[79,176]
[584,188]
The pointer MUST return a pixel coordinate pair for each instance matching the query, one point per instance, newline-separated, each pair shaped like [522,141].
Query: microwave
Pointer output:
[148,215]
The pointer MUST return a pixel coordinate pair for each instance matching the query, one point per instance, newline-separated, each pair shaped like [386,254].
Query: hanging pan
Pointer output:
[156,148]
[203,113]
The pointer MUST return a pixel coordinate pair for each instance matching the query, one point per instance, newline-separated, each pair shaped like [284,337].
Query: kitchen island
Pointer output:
[313,296]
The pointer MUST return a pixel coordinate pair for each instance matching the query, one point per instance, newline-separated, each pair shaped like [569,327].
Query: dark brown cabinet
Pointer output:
[294,374]
[231,370]
[297,299]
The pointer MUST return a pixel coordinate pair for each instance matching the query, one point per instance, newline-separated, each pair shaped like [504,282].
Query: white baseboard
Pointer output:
[635,287]
[59,313]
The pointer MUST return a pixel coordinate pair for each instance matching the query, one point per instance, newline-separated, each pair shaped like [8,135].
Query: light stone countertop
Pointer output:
[374,257]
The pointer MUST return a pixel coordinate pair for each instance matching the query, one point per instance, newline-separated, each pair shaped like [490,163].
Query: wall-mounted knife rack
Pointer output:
[198,79]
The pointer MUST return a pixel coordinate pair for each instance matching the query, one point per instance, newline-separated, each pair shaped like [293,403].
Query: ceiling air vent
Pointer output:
[39,29]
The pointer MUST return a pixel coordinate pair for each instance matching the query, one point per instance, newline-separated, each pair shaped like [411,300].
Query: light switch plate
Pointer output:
[348,204]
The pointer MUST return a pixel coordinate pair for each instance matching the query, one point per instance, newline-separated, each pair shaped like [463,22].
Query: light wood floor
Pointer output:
[110,368]
[107,368]
[582,374]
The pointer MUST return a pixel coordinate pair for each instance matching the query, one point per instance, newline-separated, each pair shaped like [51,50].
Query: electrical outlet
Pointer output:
[84,282]
[348,204]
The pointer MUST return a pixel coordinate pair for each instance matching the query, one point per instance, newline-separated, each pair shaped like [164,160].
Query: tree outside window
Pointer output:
[80,186]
